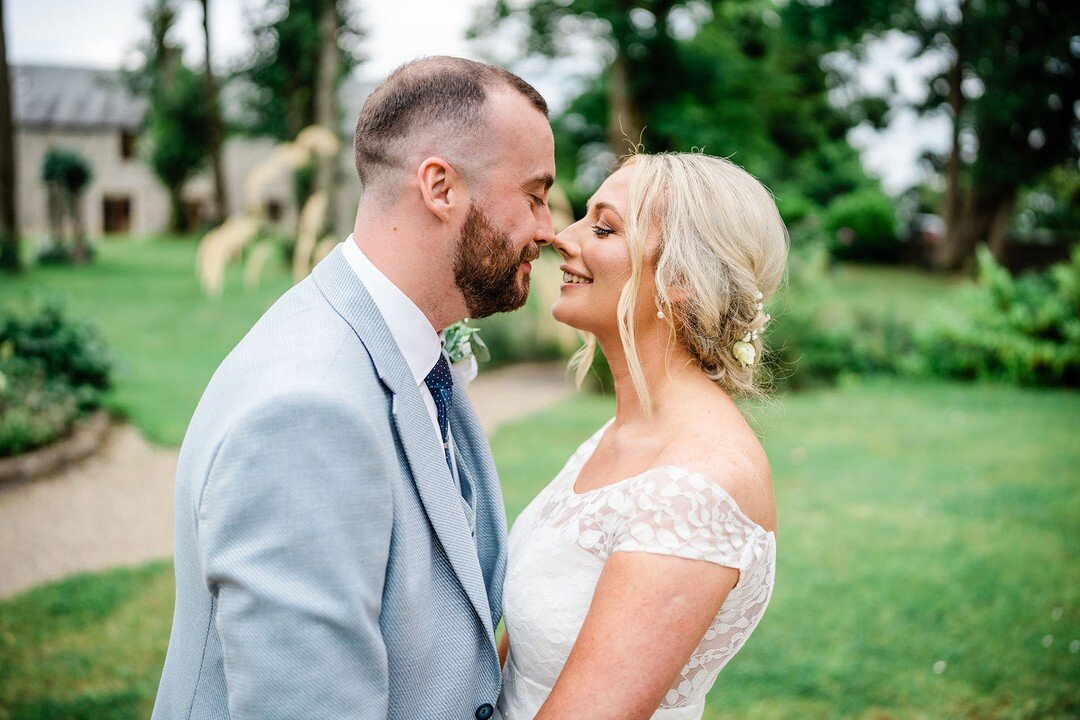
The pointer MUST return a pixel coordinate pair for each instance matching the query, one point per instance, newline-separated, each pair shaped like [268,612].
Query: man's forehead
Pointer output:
[528,154]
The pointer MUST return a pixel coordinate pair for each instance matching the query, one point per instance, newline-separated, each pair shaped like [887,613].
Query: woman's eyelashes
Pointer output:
[601,231]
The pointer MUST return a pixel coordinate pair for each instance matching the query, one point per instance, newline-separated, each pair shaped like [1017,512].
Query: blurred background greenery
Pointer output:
[925,350]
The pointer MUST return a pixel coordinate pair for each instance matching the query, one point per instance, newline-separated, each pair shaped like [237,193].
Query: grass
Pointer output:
[886,290]
[167,336]
[920,523]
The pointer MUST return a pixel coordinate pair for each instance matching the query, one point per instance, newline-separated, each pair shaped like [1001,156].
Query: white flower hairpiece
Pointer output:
[744,350]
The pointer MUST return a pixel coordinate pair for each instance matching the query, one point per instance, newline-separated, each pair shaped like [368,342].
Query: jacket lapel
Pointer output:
[475,461]
[435,485]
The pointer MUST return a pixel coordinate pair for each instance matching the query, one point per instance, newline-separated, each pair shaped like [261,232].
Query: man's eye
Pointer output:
[600,231]
[538,200]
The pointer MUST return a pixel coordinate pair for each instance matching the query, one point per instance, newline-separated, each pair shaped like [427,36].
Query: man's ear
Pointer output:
[441,187]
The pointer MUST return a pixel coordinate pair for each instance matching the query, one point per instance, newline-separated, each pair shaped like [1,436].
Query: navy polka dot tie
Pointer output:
[441,385]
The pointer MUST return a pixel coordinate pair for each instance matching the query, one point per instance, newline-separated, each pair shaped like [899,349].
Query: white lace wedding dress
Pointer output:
[558,547]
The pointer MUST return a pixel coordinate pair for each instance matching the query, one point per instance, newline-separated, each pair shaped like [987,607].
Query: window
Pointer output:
[116,215]
[194,214]
[274,210]
[127,144]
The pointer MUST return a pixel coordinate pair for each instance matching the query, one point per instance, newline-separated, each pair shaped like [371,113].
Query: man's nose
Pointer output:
[545,230]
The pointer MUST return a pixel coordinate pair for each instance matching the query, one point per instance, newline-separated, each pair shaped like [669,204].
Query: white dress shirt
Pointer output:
[417,340]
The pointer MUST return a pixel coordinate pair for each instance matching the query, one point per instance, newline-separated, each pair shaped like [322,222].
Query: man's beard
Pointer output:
[486,267]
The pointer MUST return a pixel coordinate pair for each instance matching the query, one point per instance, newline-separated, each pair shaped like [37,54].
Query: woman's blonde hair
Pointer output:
[722,243]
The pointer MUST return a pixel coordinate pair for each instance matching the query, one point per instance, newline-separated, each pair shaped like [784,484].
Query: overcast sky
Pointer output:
[103,33]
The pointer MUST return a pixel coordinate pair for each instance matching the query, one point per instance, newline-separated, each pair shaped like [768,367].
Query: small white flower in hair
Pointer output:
[744,352]
[746,337]
[758,295]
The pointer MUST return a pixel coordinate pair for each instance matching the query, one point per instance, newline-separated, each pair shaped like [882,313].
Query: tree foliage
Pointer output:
[66,174]
[177,126]
[1010,81]
[726,77]
[283,72]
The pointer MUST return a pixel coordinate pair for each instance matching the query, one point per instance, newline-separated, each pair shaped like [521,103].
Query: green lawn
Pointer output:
[920,525]
[167,336]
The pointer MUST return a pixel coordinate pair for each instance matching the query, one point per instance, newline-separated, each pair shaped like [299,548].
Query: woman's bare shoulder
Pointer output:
[722,447]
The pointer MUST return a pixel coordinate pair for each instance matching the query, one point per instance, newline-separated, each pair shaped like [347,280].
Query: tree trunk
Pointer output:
[80,251]
[177,219]
[54,208]
[9,221]
[997,233]
[214,129]
[986,219]
[624,126]
[949,255]
[326,168]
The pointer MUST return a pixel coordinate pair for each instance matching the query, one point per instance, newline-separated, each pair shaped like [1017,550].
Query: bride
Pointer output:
[638,573]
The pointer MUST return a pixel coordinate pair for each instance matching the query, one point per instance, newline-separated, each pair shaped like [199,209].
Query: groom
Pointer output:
[340,534]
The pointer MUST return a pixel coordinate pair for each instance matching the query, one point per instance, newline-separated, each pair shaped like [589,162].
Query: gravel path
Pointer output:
[116,508]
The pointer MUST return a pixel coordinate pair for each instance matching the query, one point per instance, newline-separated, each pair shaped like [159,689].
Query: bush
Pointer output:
[1025,330]
[52,370]
[804,347]
[34,409]
[862,227]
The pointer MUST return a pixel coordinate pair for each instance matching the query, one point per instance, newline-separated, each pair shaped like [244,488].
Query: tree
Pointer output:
[177,124]
[303,50]
[9,220]
[214,128]
[726,77]
[1009,85]
[66,175]
[637,36]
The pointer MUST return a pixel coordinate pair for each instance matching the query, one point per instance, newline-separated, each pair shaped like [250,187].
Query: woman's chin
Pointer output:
[563,314]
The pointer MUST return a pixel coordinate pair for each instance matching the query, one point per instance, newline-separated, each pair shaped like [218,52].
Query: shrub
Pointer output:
[805,347]
[862,226]
[52,370]
[1025,329]
[34,409]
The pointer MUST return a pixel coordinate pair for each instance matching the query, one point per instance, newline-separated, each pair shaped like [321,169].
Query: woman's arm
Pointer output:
[648,613]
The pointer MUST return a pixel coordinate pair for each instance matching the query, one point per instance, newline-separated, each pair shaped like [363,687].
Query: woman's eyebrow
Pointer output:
[601,206]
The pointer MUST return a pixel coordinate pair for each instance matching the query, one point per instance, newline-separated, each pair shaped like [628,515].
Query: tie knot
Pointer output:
[439,378]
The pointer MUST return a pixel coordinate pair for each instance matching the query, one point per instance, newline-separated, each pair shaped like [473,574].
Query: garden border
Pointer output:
[88,436]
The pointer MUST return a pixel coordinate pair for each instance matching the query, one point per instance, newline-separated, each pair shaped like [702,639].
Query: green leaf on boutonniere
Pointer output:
[462,340]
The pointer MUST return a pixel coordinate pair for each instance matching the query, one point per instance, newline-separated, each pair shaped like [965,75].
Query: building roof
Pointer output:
[57,96]
[73,97]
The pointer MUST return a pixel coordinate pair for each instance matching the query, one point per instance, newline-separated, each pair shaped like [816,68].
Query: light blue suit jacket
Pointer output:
[326,566]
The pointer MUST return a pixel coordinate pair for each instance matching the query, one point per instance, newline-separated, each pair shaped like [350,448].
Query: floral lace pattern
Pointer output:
[561,541]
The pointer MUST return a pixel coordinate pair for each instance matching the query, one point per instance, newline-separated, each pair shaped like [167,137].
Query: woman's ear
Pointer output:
[441,187]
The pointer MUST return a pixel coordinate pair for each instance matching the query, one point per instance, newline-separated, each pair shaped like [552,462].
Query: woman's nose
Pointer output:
[565,244]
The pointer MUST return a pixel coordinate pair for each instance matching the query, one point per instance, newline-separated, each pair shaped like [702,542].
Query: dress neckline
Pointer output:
[595,441]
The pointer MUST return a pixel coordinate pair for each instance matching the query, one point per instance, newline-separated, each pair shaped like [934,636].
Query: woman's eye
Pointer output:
[600,231]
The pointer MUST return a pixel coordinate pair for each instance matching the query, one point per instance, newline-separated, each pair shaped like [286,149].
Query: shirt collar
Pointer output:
[410,328]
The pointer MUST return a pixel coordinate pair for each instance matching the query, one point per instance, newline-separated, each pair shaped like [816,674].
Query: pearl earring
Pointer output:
[660,314]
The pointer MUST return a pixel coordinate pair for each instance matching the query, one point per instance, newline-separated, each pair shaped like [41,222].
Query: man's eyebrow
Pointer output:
[545,179]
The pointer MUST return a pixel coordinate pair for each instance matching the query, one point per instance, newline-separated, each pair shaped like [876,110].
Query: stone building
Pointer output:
[92,112]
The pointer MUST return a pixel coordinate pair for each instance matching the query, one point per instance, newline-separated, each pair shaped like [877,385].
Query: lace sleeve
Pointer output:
[680,513]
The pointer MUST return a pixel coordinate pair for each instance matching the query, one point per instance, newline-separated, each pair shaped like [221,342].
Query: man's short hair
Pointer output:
[436,95]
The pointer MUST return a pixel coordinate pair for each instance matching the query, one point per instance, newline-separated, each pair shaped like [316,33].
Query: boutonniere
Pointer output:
[462,340]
